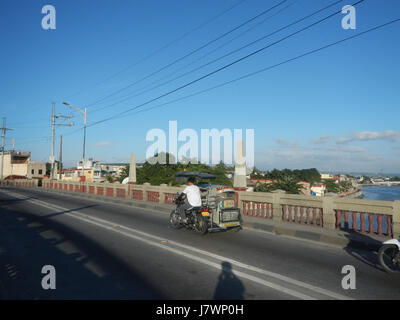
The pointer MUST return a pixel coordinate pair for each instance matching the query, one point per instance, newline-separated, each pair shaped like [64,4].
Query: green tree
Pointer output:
[124,173]
[331,186]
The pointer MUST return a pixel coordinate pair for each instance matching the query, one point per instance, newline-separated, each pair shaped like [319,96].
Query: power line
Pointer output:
[271,67]
[224,56]
[263,69]
[188,54]
[224,67]
[163,47]
[132,95]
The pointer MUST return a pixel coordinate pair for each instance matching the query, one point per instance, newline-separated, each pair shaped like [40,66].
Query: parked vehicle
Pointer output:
[389,256]
[217,213]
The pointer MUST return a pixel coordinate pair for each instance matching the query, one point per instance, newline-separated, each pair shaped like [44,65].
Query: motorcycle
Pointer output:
[197,218]
[217,213]
[389,256]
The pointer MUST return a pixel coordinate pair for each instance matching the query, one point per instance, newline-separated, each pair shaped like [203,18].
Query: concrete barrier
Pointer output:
[377,218]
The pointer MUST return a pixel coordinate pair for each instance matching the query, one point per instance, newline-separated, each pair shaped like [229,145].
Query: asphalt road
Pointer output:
[110,251]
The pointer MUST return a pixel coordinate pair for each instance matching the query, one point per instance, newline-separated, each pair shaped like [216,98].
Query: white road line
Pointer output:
[104,223]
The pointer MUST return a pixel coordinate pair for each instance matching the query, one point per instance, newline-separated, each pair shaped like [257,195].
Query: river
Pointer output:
[381,193]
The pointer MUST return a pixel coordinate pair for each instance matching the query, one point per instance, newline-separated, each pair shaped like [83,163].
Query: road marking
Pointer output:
[111,226]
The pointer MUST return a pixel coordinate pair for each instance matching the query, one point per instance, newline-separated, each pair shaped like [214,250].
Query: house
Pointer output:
[75,175]
[36,170]
[93,169]
[15,163]
[318,189]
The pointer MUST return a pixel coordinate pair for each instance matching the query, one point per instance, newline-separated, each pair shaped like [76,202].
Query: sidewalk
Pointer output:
[333,237]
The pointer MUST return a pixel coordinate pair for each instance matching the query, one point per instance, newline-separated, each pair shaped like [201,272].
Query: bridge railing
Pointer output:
[381,218]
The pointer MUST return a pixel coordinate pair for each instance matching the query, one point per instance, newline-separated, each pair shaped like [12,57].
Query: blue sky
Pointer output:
[336,110]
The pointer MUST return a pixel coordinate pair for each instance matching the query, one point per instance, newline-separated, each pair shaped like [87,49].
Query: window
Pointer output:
[33,171]
[40,171]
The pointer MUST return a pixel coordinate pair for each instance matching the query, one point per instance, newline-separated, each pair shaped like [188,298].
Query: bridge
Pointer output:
[113,241]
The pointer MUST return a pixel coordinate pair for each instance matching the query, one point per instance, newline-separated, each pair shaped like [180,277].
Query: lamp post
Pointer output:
[83,114]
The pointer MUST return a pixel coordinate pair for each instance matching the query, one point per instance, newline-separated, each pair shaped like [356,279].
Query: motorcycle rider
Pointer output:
[193,198]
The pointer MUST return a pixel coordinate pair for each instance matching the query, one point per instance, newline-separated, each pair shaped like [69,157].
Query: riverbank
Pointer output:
[357,194]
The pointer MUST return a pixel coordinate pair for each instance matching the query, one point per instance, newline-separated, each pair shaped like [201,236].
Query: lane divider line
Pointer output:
[105,224]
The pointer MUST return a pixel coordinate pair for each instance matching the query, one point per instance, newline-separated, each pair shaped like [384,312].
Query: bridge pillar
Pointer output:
[396,219]
[277,212]
[328,212]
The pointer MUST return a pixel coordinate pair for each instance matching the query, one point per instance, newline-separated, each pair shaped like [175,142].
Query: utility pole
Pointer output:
[3,138]
[60,157]
[53,124]
[83,114]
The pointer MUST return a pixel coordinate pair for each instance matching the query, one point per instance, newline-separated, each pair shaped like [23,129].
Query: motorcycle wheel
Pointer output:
[200,225]
[174,220]
[389,259]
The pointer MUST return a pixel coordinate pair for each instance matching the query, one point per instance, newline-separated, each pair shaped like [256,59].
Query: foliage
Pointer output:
[157,173]
[110,178]
[286,182]
[124,173]
[310,175]
[332,186]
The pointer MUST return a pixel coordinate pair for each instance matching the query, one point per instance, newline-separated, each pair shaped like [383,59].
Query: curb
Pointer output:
[330,237]
[342,239]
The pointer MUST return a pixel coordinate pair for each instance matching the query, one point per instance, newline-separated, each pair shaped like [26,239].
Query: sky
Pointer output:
[335,110]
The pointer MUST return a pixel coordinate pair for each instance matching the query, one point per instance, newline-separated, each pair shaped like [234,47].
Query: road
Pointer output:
[112,251]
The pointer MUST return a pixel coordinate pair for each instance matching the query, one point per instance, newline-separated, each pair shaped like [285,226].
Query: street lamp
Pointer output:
[83,114]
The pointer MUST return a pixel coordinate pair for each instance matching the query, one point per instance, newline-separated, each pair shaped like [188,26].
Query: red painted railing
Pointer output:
[302,215]
[257,209]
[137,194]
[121,193]
[169,198]
[152,196]
[364,223]
[109,192]
[100,191]
[91,189]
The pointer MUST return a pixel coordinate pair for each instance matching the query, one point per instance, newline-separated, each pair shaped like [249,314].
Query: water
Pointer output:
[381,193]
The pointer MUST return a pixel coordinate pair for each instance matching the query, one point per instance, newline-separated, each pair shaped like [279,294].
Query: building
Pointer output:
[75,175]
[36,170]
[91,165]
[115,169]
[326,176]
[318,189]
[15,163]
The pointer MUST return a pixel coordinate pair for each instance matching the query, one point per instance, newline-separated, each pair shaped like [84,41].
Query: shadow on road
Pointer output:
[229,287]
[363,248]
[84,268]
[70,210]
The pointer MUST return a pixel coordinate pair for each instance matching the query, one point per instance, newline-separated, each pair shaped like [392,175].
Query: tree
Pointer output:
[331,186]
[124,173]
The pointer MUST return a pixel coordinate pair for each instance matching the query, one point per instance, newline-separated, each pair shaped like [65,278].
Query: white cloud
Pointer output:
[388,135]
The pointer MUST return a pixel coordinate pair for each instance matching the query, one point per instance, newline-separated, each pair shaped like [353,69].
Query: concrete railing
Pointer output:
[33,183]
[380,218]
